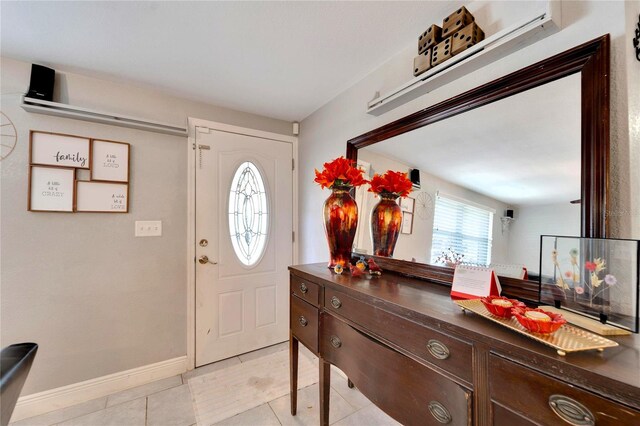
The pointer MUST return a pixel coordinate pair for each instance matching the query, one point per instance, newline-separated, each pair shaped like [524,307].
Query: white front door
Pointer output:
[244,227]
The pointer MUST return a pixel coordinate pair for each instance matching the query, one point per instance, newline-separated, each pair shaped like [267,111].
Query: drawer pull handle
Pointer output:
[335,302]
[303,321]
[335,341]
[303,288]
[438,349]
[571,411]
[439,412]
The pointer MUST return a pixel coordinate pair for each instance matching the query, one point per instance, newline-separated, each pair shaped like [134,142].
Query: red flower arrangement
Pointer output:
[340,172]
[391,183]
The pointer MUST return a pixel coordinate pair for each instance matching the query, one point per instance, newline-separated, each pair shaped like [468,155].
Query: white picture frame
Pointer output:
[101,197]
[407,204]
[51,189]
[407,223]
[59,150]
[109,161]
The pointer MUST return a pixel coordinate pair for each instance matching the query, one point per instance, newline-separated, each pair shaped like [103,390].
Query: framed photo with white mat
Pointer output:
[109,161]
[102,197]
[51,189]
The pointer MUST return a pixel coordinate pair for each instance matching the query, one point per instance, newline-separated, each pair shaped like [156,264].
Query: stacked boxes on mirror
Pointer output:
[441,52]
[422,62]
[429,38]
[457,20]
[435,45]
[466,37]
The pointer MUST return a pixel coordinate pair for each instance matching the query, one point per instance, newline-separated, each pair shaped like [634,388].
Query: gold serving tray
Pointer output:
[566,339]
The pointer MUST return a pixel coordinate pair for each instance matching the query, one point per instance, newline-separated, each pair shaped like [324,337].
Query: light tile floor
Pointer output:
[168,402]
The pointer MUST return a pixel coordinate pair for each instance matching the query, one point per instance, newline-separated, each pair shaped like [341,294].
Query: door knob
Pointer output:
[204,259]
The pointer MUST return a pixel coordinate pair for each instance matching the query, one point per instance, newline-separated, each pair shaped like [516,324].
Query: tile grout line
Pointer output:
[274,413]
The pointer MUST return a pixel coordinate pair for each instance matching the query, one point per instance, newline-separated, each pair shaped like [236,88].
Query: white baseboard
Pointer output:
[65,396]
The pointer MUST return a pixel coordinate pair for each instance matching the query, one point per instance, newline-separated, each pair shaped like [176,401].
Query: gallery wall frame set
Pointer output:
[407,223]
[54,161]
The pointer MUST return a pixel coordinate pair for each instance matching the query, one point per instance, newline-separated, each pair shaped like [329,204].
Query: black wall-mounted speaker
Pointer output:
[509,213]
[41,84]
[414,175]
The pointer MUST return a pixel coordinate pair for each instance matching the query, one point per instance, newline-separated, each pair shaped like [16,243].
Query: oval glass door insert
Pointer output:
[248,213]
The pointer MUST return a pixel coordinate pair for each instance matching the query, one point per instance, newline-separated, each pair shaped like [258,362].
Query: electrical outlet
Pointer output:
[148,228]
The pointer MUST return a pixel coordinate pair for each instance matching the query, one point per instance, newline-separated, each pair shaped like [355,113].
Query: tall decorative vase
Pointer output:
[386,222]
[340,222]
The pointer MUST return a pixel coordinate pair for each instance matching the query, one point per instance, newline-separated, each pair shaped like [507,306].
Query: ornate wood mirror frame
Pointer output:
[591,59]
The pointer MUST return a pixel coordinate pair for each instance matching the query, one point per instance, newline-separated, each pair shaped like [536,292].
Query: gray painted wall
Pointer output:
[324,133]
[95,298]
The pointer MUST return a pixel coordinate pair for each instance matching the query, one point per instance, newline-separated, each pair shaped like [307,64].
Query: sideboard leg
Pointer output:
[350,384]
[293,372]
[325,387]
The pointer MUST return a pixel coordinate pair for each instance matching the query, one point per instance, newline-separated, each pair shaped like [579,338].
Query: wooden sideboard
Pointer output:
[407,347]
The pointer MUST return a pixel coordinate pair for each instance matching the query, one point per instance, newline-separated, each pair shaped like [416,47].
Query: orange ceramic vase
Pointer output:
[340,222]
[386,222]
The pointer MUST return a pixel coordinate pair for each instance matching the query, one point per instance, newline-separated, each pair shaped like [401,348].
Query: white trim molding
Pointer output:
[66,396]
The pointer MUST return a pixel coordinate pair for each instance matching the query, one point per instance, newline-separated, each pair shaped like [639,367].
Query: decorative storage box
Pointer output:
[422,62]
[441,52]
[594,277]
[466,37]
[458,19]
[430,37]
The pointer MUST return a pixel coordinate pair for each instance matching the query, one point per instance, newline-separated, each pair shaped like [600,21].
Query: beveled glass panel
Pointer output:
[248,214]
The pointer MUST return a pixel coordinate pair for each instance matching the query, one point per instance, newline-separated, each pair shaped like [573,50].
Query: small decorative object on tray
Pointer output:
[361,264]
[338,269]
[565,340]
[538,321]
[374,269]
[501,306]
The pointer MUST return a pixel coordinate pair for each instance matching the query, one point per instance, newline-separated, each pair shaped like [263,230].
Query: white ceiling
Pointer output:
[278,59]
[522,150]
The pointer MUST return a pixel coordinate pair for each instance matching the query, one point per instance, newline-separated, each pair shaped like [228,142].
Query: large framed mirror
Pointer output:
[521,156]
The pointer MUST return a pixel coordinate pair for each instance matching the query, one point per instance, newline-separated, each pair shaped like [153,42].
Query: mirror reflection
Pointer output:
[491,181]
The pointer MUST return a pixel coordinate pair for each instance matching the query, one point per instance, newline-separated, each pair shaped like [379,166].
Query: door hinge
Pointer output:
[293,236]
[202,129]
[293,164]
[194,146]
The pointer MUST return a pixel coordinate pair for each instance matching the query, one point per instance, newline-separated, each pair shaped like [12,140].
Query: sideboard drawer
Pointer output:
[545,400]
[306,290]
[407,390]
[303,322]
[447,352]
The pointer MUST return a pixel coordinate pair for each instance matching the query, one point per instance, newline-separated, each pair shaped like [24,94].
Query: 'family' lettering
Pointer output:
[76,158]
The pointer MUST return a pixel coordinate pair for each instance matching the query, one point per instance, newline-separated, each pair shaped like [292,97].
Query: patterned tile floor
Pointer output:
[168,402]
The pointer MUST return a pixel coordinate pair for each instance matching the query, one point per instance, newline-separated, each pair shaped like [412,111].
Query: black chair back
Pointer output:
[15,363]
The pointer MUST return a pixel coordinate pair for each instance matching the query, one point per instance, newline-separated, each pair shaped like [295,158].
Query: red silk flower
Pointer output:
[391,182]
[340,172]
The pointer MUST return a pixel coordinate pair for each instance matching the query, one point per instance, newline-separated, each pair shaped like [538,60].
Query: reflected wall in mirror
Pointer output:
[521,153]
[532,141]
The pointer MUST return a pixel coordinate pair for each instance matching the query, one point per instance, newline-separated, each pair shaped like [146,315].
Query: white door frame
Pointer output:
[193,123]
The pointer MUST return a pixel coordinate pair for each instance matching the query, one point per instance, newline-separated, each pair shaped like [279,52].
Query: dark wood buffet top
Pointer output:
[613,374]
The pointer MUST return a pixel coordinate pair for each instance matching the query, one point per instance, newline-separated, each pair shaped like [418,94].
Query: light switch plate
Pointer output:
[148,228]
